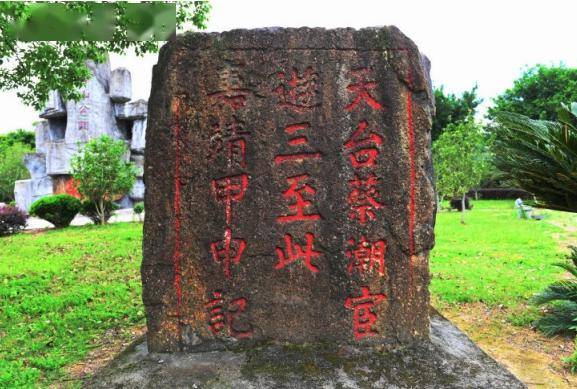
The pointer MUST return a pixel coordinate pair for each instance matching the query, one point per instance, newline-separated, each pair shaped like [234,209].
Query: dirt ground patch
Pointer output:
[532,357]
[111,344]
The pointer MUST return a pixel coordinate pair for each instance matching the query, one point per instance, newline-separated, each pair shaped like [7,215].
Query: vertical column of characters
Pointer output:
[363,147]
[297,92]
[228,144]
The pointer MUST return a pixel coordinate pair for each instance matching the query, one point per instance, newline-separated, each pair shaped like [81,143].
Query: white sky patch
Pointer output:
[488,43]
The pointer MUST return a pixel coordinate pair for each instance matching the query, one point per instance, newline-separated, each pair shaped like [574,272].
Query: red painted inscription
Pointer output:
[223,315]
[364,146]
[228,190]
[295,252]
[366,256]
[297,192]
[231,91]
[362,198]
[229,139]
[227,251]
[361,88]
[297,91]
[363,317]
[296,141]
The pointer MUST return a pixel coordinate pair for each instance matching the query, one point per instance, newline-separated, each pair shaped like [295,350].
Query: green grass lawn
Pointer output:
[61,290]
[495,258]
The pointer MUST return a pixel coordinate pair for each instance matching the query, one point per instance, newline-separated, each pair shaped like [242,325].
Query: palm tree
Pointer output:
[562,316]
[540,156]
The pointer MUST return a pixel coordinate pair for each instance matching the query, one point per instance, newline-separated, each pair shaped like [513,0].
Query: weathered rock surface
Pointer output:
[59,157]
[120,85]
[36,164]
[54,106]
[448,360]
[71,124]
[137,191]
[138,142]
[42,136]
[134,110]
[289,189]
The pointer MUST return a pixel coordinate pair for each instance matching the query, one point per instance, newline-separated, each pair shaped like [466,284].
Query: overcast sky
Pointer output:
[488,43]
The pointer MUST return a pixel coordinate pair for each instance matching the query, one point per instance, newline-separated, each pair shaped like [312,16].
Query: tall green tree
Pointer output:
[12,168]
[102,172]
[450,108]
[34,68]
[538,93]
[461,160]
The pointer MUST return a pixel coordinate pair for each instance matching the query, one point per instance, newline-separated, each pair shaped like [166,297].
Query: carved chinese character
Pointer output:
[298,92]
[297,141]
[215,307]
[82,125]
[232,90]
[229,139]
[223,315]
[296,192]
[362,198]
[366,256]
[363,317]
[361,88]
[228,190]
[295,252]
[227,251]
[364,146]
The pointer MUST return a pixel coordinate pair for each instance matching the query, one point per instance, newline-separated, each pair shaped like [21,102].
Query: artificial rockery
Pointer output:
[105,109]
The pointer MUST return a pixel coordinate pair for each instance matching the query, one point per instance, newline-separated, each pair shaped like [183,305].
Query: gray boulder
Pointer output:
[120,85]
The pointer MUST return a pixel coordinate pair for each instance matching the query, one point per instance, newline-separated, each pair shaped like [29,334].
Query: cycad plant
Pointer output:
[540,156]
[561,317]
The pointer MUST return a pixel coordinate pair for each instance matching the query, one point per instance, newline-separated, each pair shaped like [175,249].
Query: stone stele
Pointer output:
[290,200]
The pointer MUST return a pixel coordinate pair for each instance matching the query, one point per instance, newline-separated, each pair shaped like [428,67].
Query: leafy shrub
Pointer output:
[500,194]
[102,172]
[12,220]
[138,209]
[456,203]
[562,316]
[88,209]
[57,209]
[572,360]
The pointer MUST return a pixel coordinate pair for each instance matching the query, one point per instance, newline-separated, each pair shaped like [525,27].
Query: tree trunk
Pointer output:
[438,202]
[101,212]
[463,209]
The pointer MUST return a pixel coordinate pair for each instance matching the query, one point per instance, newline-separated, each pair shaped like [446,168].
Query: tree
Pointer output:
[33,68]
[102,172]
[11,168]
[452,109]
[538,93]
[461,159]
[21,136]
[540,156]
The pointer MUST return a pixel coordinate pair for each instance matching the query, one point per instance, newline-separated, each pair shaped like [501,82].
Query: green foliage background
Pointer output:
[11,168]
[33,69]
[451,109]
[538,93]
[460,157]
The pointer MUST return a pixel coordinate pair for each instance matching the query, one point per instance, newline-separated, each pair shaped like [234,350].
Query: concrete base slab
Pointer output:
[449,360]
